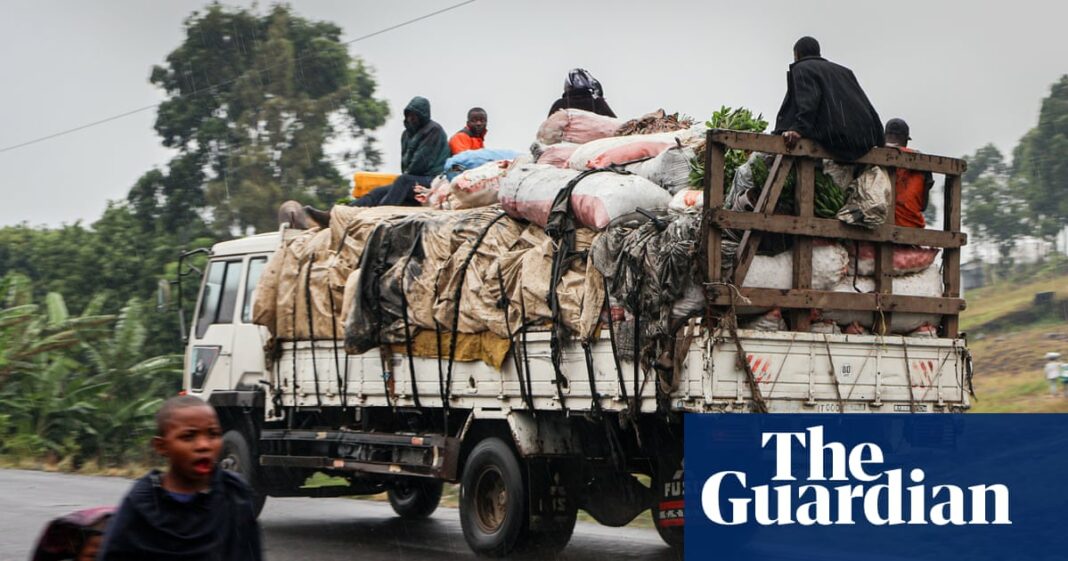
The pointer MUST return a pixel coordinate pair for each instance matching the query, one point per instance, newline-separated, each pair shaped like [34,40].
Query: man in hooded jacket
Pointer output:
[824,102]
[424,149]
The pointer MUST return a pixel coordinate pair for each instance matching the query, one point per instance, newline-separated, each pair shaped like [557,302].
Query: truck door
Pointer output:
[209,354]
[247,361]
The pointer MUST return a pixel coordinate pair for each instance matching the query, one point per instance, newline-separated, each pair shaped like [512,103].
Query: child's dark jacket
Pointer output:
[219,523]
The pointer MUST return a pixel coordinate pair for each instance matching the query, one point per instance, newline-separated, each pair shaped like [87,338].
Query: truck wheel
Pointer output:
[672,535]
[493,501]
[237,457]
[415,498]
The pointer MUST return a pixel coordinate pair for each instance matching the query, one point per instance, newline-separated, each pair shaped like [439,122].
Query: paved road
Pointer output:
[320,529]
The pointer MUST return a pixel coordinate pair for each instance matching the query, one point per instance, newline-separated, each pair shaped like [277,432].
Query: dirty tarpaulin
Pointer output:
[647,270]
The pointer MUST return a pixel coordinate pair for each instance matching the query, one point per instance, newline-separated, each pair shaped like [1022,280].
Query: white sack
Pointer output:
[528,190]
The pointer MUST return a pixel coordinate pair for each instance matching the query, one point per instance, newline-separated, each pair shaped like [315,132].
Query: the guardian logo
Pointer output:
[855,489]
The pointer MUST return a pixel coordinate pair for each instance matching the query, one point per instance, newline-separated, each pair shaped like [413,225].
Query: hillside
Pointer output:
[1009,337]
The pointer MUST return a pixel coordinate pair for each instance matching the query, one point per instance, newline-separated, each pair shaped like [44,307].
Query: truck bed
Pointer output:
[795,372]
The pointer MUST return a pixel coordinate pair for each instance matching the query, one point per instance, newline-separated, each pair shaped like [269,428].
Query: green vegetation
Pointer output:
[251,99]
[1009,336]
[1004,201]
[76,388]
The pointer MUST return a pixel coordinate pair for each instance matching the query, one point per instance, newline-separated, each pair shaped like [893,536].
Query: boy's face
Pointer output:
[191,443]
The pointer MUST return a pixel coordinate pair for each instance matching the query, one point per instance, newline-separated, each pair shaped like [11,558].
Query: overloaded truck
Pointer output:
[574,398]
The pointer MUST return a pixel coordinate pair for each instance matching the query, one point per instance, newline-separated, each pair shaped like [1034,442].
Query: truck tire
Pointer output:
[415,498]
[236,456]
[493,499]
[672,535]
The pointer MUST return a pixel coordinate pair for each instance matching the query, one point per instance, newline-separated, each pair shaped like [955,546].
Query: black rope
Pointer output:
[612,340]
[462,273]
[382,243]
[596,405]
[408,331]
[505,304]
[337,357]
[440,353]
[311,330]
[637,347]
[561,228]
[526,354]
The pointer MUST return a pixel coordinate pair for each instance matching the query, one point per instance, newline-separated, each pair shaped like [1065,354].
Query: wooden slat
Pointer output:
[804,201]
[879,156]
[831,228]
[714,160]
[769,197]
[951,257]
[884,262]
[773,297]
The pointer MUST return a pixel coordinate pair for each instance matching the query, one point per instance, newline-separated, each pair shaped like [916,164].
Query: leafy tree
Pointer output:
[993,208]
[1040,164]
[252,99]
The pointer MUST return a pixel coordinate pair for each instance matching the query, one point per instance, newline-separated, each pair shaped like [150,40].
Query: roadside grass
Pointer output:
[990,303]
[1009,376]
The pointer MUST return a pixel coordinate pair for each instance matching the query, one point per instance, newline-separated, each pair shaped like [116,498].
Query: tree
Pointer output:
[1040,164]
[994,209]
[252,100]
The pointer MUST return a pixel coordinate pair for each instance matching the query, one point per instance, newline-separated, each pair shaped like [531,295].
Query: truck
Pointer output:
[532,444]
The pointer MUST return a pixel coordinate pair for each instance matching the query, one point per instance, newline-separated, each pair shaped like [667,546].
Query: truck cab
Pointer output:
[224,353]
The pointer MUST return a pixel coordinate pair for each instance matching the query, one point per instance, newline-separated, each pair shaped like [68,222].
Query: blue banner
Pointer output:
[877,487]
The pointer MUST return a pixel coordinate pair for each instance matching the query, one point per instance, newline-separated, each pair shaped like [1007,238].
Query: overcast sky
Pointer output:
[962,73]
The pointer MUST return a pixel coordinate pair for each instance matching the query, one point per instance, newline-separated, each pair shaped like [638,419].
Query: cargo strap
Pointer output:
[408,329]
[458,293]
[341,382]
[615,351]
[505,304]
[561,227]
[731,320]
[311,329]
[908,375]
[834,375]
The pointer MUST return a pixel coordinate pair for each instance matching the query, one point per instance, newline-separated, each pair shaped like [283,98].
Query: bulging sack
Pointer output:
[600,199]
[907,259]
[926,283]
[596,150]
[557,154]
[628,153]
[576,125]
[670,169]
[867,199]
[478,187]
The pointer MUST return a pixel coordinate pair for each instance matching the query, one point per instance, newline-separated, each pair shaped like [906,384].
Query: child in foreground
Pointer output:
[194,510]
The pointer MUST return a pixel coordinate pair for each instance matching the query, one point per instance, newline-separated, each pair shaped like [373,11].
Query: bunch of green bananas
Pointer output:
[829,198]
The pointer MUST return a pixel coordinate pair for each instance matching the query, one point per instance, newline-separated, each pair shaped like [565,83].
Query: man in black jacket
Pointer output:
[824,102]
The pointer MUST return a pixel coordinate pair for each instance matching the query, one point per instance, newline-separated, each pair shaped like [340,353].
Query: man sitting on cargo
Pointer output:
[424,149]
[824,102]
[472,136]
[913,187]
[582,91]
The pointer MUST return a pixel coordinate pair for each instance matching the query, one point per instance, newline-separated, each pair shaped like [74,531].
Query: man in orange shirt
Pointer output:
[471,137]
[913,187]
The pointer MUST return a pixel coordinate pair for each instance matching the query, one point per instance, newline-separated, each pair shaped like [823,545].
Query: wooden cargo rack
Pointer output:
[805,226]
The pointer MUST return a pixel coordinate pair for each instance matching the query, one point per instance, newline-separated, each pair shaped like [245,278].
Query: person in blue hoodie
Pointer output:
[193,511]
[424,149]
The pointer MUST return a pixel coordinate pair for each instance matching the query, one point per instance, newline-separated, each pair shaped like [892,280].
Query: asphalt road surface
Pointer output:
[298,528]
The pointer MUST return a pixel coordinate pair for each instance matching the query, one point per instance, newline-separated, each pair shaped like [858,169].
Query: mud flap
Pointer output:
[553,485]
